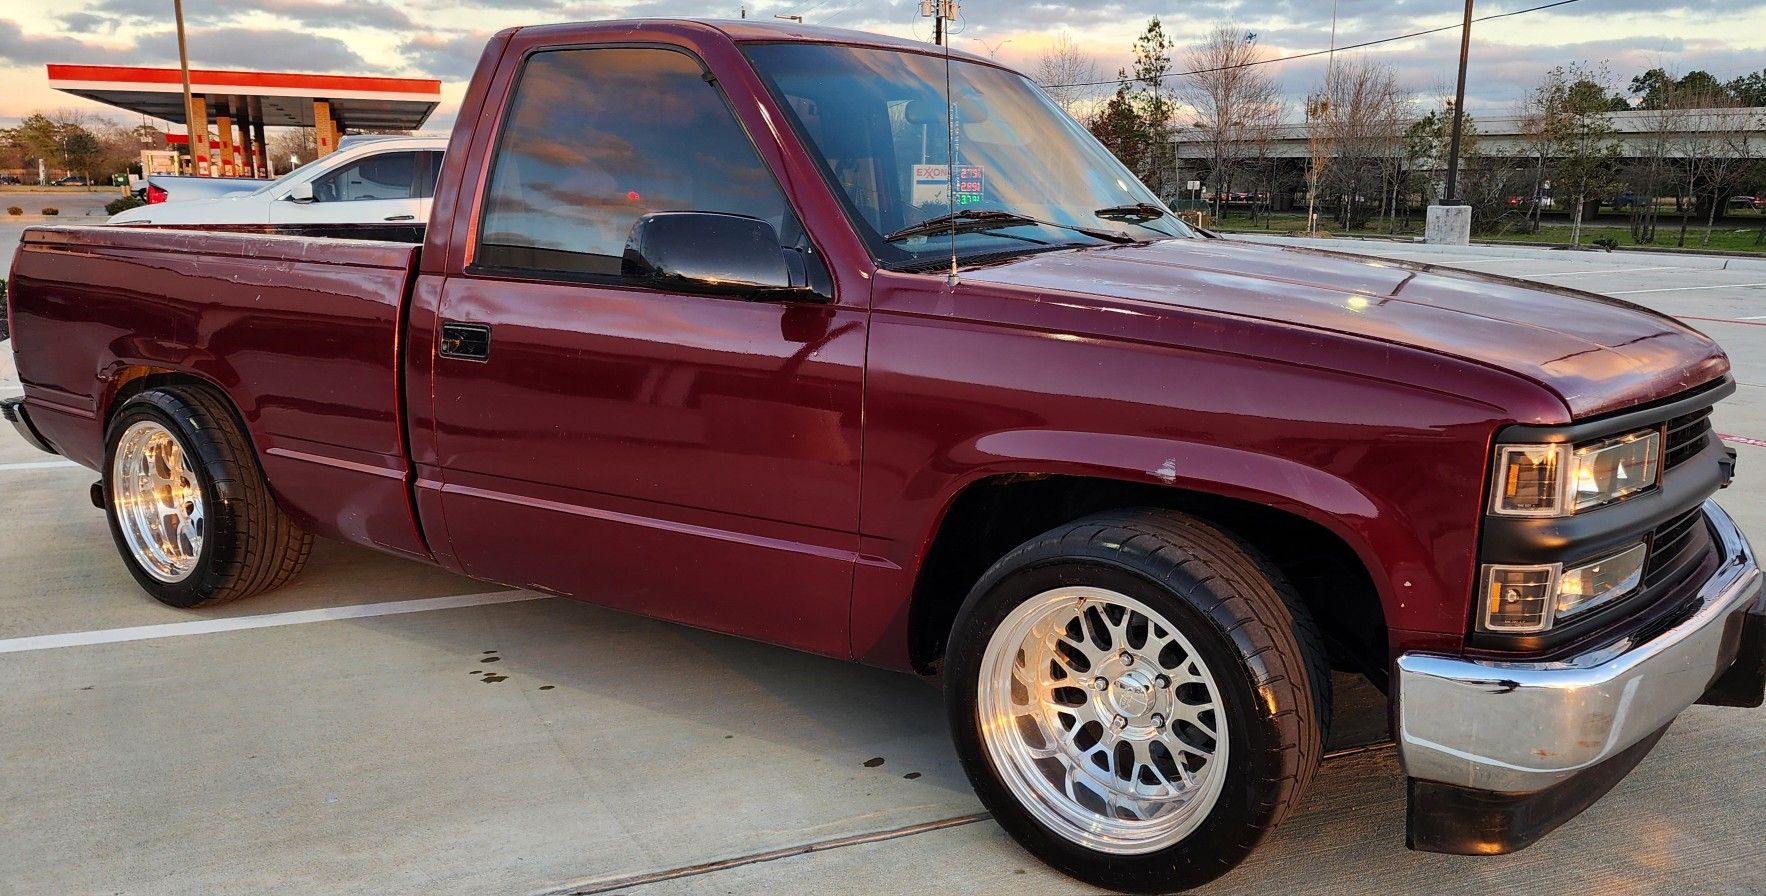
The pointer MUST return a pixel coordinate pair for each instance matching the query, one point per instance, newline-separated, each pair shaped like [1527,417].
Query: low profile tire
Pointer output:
[188,505]
[1138,697]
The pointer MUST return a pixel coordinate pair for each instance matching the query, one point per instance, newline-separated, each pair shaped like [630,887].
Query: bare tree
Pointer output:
[1229,91]
[1064,71]
[1693,145]
[1535,113]
[284,145]
[1729,145]
[1653,149]
[1359,122]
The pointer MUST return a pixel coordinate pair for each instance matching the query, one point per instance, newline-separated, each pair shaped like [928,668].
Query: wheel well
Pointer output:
[131,381]
[995,515]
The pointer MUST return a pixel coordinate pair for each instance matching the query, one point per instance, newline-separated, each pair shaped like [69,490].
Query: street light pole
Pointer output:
[184,69]
[1459,108]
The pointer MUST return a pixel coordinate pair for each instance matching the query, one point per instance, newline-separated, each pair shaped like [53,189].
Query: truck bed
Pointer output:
[301,331]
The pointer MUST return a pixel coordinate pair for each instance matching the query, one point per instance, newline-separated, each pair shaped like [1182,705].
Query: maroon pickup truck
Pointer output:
[842,343]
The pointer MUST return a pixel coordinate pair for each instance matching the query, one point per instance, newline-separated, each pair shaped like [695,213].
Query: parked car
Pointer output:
[158,188]
[72,180]
[387,179]
[713,340]
[1747,202]
[9,180]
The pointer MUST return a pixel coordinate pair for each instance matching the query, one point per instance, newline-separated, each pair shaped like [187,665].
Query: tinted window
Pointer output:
[390,175]
[597,138]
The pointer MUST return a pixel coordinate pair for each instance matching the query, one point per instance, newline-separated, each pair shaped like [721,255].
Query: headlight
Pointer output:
[1523,599]
[1559,480]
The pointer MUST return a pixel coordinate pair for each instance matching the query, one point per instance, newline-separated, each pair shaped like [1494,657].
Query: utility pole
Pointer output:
[1459,109]
[939,10]
[184,69]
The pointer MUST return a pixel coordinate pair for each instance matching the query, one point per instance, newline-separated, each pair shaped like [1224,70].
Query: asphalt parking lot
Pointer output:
[383,727]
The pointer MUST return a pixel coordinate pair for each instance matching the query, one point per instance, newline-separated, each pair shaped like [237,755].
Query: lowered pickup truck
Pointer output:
[846,344]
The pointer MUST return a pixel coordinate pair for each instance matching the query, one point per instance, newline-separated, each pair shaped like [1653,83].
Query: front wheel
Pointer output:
[1138,697]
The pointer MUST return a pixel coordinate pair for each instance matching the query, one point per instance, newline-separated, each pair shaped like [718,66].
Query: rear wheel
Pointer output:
[1138,698]
[188,507]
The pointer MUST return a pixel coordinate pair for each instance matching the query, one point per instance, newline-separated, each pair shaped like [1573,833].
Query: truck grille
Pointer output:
[1688,434]
[1676,548]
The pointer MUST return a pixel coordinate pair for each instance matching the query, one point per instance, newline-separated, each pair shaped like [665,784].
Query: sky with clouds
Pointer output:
[434,38]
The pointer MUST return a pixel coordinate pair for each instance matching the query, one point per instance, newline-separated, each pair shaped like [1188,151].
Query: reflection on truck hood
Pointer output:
[1598,354]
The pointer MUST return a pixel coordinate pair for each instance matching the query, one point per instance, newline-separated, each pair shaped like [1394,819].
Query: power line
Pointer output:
[1371,43]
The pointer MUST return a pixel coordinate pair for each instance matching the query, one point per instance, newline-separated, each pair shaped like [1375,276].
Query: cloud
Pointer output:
[226,47]
[85,22]
[252,48]
[309,13]
[18,49]
[450,57]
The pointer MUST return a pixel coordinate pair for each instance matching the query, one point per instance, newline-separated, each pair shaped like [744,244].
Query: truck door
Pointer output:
[688,456]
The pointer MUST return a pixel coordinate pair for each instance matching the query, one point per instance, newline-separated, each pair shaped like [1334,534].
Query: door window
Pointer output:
[597,138]
[392,175]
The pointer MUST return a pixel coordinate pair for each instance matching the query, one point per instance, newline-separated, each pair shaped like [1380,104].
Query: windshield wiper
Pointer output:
[1136,213]
[969,220]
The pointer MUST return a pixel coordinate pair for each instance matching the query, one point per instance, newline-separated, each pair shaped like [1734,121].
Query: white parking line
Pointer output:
[38,465]
[1606,271]
[267,620]
[1632,292]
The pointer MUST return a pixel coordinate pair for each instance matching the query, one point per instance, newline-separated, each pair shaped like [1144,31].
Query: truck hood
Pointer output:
[1596,353]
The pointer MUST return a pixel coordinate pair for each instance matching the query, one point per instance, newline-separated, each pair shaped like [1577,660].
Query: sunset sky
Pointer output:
[430,38]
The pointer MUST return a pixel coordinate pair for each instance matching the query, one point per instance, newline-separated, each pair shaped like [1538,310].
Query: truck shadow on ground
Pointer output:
[833,714]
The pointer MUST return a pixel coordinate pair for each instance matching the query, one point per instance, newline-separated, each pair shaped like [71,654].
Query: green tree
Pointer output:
[1700,83]
[80,150]
[1155,106]
[39,136]
[1576,108]
[1119,127]
[1653,89]
[1749,90]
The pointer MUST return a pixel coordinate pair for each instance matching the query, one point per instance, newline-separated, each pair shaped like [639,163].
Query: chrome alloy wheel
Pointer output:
[158,501]
[1103,720]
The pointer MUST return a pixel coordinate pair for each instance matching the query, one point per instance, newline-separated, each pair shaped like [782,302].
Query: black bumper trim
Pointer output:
[1466,822]
[13,409]
[1744,682]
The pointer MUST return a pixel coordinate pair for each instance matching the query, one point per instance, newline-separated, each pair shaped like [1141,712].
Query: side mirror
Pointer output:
[301,192]
[710,252]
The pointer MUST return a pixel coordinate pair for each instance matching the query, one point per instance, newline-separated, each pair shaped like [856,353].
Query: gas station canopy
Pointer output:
[274,99]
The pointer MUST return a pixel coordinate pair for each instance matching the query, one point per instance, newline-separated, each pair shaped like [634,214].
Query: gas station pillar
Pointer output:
[260,153]
[224,133]
[197,128]
[248,161]
[324,127]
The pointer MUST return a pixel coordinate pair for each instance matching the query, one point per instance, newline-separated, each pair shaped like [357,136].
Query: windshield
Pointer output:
[877,121]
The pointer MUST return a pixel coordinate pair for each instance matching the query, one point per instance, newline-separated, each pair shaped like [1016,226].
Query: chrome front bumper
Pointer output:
[1521,728]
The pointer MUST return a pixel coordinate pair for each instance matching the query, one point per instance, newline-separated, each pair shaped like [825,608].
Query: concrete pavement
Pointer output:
[543,746]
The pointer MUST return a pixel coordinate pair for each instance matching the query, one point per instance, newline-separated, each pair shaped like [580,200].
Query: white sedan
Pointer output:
[371,181]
